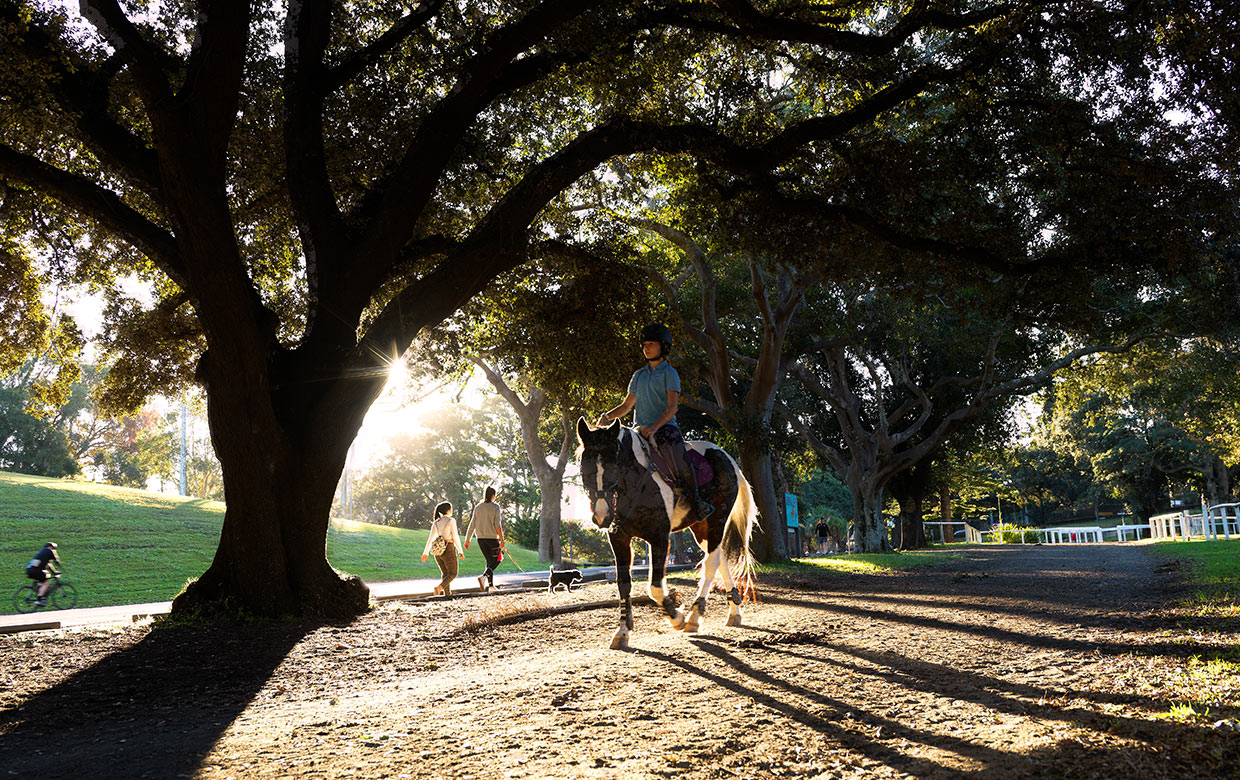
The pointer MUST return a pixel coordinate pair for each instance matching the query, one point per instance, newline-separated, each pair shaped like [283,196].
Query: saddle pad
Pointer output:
[701,467]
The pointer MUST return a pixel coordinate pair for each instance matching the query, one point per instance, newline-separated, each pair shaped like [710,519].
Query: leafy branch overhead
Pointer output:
[391,131]
[311,187]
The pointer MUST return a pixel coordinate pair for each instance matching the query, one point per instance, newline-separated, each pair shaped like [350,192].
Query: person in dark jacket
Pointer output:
[39,567]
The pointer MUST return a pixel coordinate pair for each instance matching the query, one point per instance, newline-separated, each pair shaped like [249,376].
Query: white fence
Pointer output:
[1221,521]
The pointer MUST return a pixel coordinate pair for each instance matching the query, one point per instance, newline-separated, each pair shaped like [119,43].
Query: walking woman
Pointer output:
[446,546]
[486,526]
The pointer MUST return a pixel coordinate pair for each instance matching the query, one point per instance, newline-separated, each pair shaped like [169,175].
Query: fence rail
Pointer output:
[1221,521]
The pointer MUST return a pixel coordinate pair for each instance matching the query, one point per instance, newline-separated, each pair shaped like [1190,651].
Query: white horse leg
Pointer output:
[659,596]
[620,639]
[734,595]
[694,621]
[658,586]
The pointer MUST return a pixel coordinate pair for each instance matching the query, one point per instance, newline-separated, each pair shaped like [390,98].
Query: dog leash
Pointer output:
[514,561]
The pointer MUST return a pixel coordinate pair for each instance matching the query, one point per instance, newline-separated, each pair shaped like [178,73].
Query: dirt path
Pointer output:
[1015,661]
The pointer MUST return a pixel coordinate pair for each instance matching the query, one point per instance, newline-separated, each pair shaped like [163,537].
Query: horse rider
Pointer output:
[653,395]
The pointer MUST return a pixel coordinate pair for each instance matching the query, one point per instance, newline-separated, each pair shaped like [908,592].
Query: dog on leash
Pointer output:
[568,578]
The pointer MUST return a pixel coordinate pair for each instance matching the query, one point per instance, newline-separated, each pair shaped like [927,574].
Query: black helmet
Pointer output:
[51,544]
[659,332]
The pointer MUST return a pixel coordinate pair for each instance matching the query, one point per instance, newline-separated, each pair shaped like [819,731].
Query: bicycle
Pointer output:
[60,595]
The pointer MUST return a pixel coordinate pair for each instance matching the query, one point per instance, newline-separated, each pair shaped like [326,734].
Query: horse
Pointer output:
[631,499]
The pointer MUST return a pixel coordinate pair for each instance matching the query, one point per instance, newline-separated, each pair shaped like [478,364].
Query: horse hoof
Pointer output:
[734,620]
[692,626]
[620,641]
[677,621]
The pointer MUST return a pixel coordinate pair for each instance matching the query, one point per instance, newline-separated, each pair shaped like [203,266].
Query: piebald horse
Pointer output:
[631,500]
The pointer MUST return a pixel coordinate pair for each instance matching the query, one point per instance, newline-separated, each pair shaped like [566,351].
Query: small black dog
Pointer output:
[568,578]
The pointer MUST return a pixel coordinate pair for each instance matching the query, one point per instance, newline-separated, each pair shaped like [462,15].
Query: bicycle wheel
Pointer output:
[63,596]
[23,599]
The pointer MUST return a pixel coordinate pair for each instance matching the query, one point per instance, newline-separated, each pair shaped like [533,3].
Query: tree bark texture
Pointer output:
[909,489]
[278,482]
[770,540]
[869,522]
[1217,479]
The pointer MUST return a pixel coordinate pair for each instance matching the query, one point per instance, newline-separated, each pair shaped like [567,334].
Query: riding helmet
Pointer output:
[659,332]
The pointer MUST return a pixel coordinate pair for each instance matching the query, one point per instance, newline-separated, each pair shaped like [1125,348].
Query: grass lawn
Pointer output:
[864,563]
[1213,568]
[125,546]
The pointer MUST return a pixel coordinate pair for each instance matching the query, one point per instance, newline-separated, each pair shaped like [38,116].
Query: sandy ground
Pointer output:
[1047,661]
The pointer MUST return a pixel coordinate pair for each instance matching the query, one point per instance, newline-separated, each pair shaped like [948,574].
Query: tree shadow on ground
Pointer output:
[1175,750]
[844,723]
[153,709]
[1171,648]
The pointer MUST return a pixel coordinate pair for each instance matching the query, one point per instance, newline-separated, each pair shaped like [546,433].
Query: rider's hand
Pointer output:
[603,420]
[646,431]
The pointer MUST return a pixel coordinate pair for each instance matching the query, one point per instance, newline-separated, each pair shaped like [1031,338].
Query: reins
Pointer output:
[611,492]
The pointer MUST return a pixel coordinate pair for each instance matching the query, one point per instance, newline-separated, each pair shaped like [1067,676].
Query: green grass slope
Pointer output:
[125,546]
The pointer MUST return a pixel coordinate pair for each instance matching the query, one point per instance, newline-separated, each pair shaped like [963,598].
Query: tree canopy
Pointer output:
[309,187]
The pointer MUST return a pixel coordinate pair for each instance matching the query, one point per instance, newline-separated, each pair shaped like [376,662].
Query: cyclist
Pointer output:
[654,393]
[38,568]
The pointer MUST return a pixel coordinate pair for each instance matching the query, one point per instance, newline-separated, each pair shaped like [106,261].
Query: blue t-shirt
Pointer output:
[651,389]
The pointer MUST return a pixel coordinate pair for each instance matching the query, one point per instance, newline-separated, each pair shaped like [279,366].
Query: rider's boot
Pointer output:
[699,509]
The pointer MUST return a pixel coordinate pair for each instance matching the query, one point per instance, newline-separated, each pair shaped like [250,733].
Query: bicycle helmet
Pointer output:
[659,332]
[51,544]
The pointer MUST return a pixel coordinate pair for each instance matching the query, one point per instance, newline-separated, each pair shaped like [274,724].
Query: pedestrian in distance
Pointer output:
[485,524]
[824,535]
[445,544]
[38,569]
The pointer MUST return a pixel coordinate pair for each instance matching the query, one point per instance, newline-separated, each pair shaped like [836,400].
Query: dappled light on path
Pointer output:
[1006,663]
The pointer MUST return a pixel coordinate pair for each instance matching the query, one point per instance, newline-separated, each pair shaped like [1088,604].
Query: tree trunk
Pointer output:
[912,531]
[945,513]
[909,490]
[278,483]
[869,525]
[551,485]
[1217,479]
[550,478]
[769,541]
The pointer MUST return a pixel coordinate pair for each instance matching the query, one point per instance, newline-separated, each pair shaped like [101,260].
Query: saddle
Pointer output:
[702,471]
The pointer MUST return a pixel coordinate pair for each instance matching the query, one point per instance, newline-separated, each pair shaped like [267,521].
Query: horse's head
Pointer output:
[598,459]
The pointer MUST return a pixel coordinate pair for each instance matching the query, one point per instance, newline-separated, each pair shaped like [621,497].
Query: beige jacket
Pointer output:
[485,522]
[446,527]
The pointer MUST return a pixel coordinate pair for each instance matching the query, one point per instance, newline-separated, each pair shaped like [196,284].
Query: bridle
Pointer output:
[610,491]
[608,494]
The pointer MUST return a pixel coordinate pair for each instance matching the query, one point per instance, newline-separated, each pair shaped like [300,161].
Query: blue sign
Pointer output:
[790,509]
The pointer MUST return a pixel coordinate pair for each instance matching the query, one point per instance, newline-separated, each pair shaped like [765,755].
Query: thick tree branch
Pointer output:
[82,92]
[212,85]
[357,62]
[417,174]
[753,24]
[142,57]
[833,456]
[319,221]
[99,204]
[890,234]
[501,387]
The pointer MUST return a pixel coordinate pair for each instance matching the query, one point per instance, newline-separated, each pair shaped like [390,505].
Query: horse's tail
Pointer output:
[739,532]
